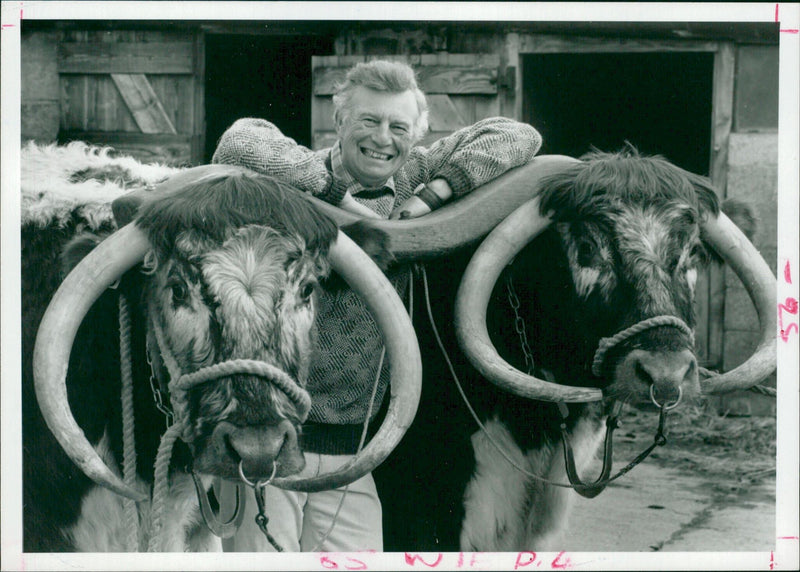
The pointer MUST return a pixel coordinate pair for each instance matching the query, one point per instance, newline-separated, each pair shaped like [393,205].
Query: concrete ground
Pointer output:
[654,508]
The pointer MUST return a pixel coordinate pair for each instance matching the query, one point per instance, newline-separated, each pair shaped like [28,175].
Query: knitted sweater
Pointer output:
[348,349]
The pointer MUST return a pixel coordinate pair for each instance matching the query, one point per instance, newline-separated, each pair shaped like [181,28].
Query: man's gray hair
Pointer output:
[382,75]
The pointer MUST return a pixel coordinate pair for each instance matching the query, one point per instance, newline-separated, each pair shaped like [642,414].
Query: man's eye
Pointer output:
[402,129]
[369,121]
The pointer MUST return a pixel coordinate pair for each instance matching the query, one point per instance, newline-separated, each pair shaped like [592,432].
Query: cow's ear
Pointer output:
[743,215]
[707,197]
[77,249]
[373,241]
[126,206]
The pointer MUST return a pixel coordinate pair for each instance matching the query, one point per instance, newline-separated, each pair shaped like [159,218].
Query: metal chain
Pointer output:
[158,395]
[519,325]
[262,520]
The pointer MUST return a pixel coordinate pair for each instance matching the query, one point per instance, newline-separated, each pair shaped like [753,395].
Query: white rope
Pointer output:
[161,486]
[130,510]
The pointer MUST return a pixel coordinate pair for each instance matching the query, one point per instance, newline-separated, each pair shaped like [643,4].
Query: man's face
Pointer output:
[376,133]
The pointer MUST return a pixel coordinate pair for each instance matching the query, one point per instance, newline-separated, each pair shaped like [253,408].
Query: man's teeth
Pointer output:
[375,155]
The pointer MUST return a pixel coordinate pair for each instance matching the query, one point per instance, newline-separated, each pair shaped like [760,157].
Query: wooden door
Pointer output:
[460,88]
[140,92]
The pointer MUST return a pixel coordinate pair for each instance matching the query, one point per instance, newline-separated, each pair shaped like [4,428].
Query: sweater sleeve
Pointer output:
[476,154]
[259,145]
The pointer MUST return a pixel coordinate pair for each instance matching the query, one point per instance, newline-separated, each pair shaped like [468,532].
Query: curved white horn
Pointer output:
[472,299]
[76,294]
[740,254]
[402,350]
[461,222]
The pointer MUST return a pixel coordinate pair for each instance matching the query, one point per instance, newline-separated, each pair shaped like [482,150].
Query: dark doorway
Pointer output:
[660,102]
[260,76]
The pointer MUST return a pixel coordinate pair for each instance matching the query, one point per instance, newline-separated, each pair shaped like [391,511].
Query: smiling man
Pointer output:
[375,170]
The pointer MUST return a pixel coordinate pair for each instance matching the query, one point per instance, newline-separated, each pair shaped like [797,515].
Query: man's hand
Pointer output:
[414,206]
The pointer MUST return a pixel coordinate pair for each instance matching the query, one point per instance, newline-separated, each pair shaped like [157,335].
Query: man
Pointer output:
[375,170]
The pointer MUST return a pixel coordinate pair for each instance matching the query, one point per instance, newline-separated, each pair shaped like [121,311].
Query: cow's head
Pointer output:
[232,275]
[632,232]
[232,260]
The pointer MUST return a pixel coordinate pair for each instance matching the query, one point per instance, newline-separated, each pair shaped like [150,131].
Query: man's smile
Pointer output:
[372,154]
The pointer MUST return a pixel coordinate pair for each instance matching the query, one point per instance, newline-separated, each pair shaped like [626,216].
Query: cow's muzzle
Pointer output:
[259,453]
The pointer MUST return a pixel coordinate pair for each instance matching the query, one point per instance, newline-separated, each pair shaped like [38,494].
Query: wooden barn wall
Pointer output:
[139,91]
[39,88]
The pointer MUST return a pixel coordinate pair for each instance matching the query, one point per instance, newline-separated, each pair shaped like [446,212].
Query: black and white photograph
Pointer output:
[400,286]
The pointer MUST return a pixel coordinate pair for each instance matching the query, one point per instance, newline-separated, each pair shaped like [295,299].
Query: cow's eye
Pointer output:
[306,290]
[180,293]
[585,252]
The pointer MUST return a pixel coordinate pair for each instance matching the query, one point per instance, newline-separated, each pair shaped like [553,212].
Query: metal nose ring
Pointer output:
[259,484]
[665,407]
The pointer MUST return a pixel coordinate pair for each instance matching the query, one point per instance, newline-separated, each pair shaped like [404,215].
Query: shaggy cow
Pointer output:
[213,329]
[595,300]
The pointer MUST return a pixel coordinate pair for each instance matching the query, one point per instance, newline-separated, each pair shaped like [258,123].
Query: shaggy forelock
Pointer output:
[246,277]
[600,180]
[215,205]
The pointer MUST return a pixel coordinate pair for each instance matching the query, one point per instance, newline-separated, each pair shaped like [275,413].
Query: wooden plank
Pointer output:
[126,57]
[127,137]
[432,79]
[176,94]
[511,102]
[73,104]
[324,139]
[322,114]
[466,106]
[108,100]
[143,103]
[722,105]
[543,44]
[462,80]
[198,100]
[486,106]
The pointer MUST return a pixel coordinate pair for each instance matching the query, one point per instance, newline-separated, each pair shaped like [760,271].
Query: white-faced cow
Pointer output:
[589,287]
[202,308]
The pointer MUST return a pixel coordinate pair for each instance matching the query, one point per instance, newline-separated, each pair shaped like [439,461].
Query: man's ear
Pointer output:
[337,120]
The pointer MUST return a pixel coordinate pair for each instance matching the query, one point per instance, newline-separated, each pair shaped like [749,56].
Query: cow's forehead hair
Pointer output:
[654,234]
[220,201]
[600,181]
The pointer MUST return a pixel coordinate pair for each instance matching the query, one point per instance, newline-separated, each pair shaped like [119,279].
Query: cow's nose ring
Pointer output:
[250,483]
[653,399]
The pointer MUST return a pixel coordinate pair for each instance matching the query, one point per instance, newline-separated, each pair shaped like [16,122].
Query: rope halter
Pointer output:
[607,344]
[181,383]
[178,386]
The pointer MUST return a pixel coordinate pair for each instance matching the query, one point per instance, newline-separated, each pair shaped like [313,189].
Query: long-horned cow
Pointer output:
[580,300]
[201,308]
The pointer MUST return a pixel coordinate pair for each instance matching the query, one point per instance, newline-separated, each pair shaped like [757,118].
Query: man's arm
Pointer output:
[259,145]
[468,158]
[476,154]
